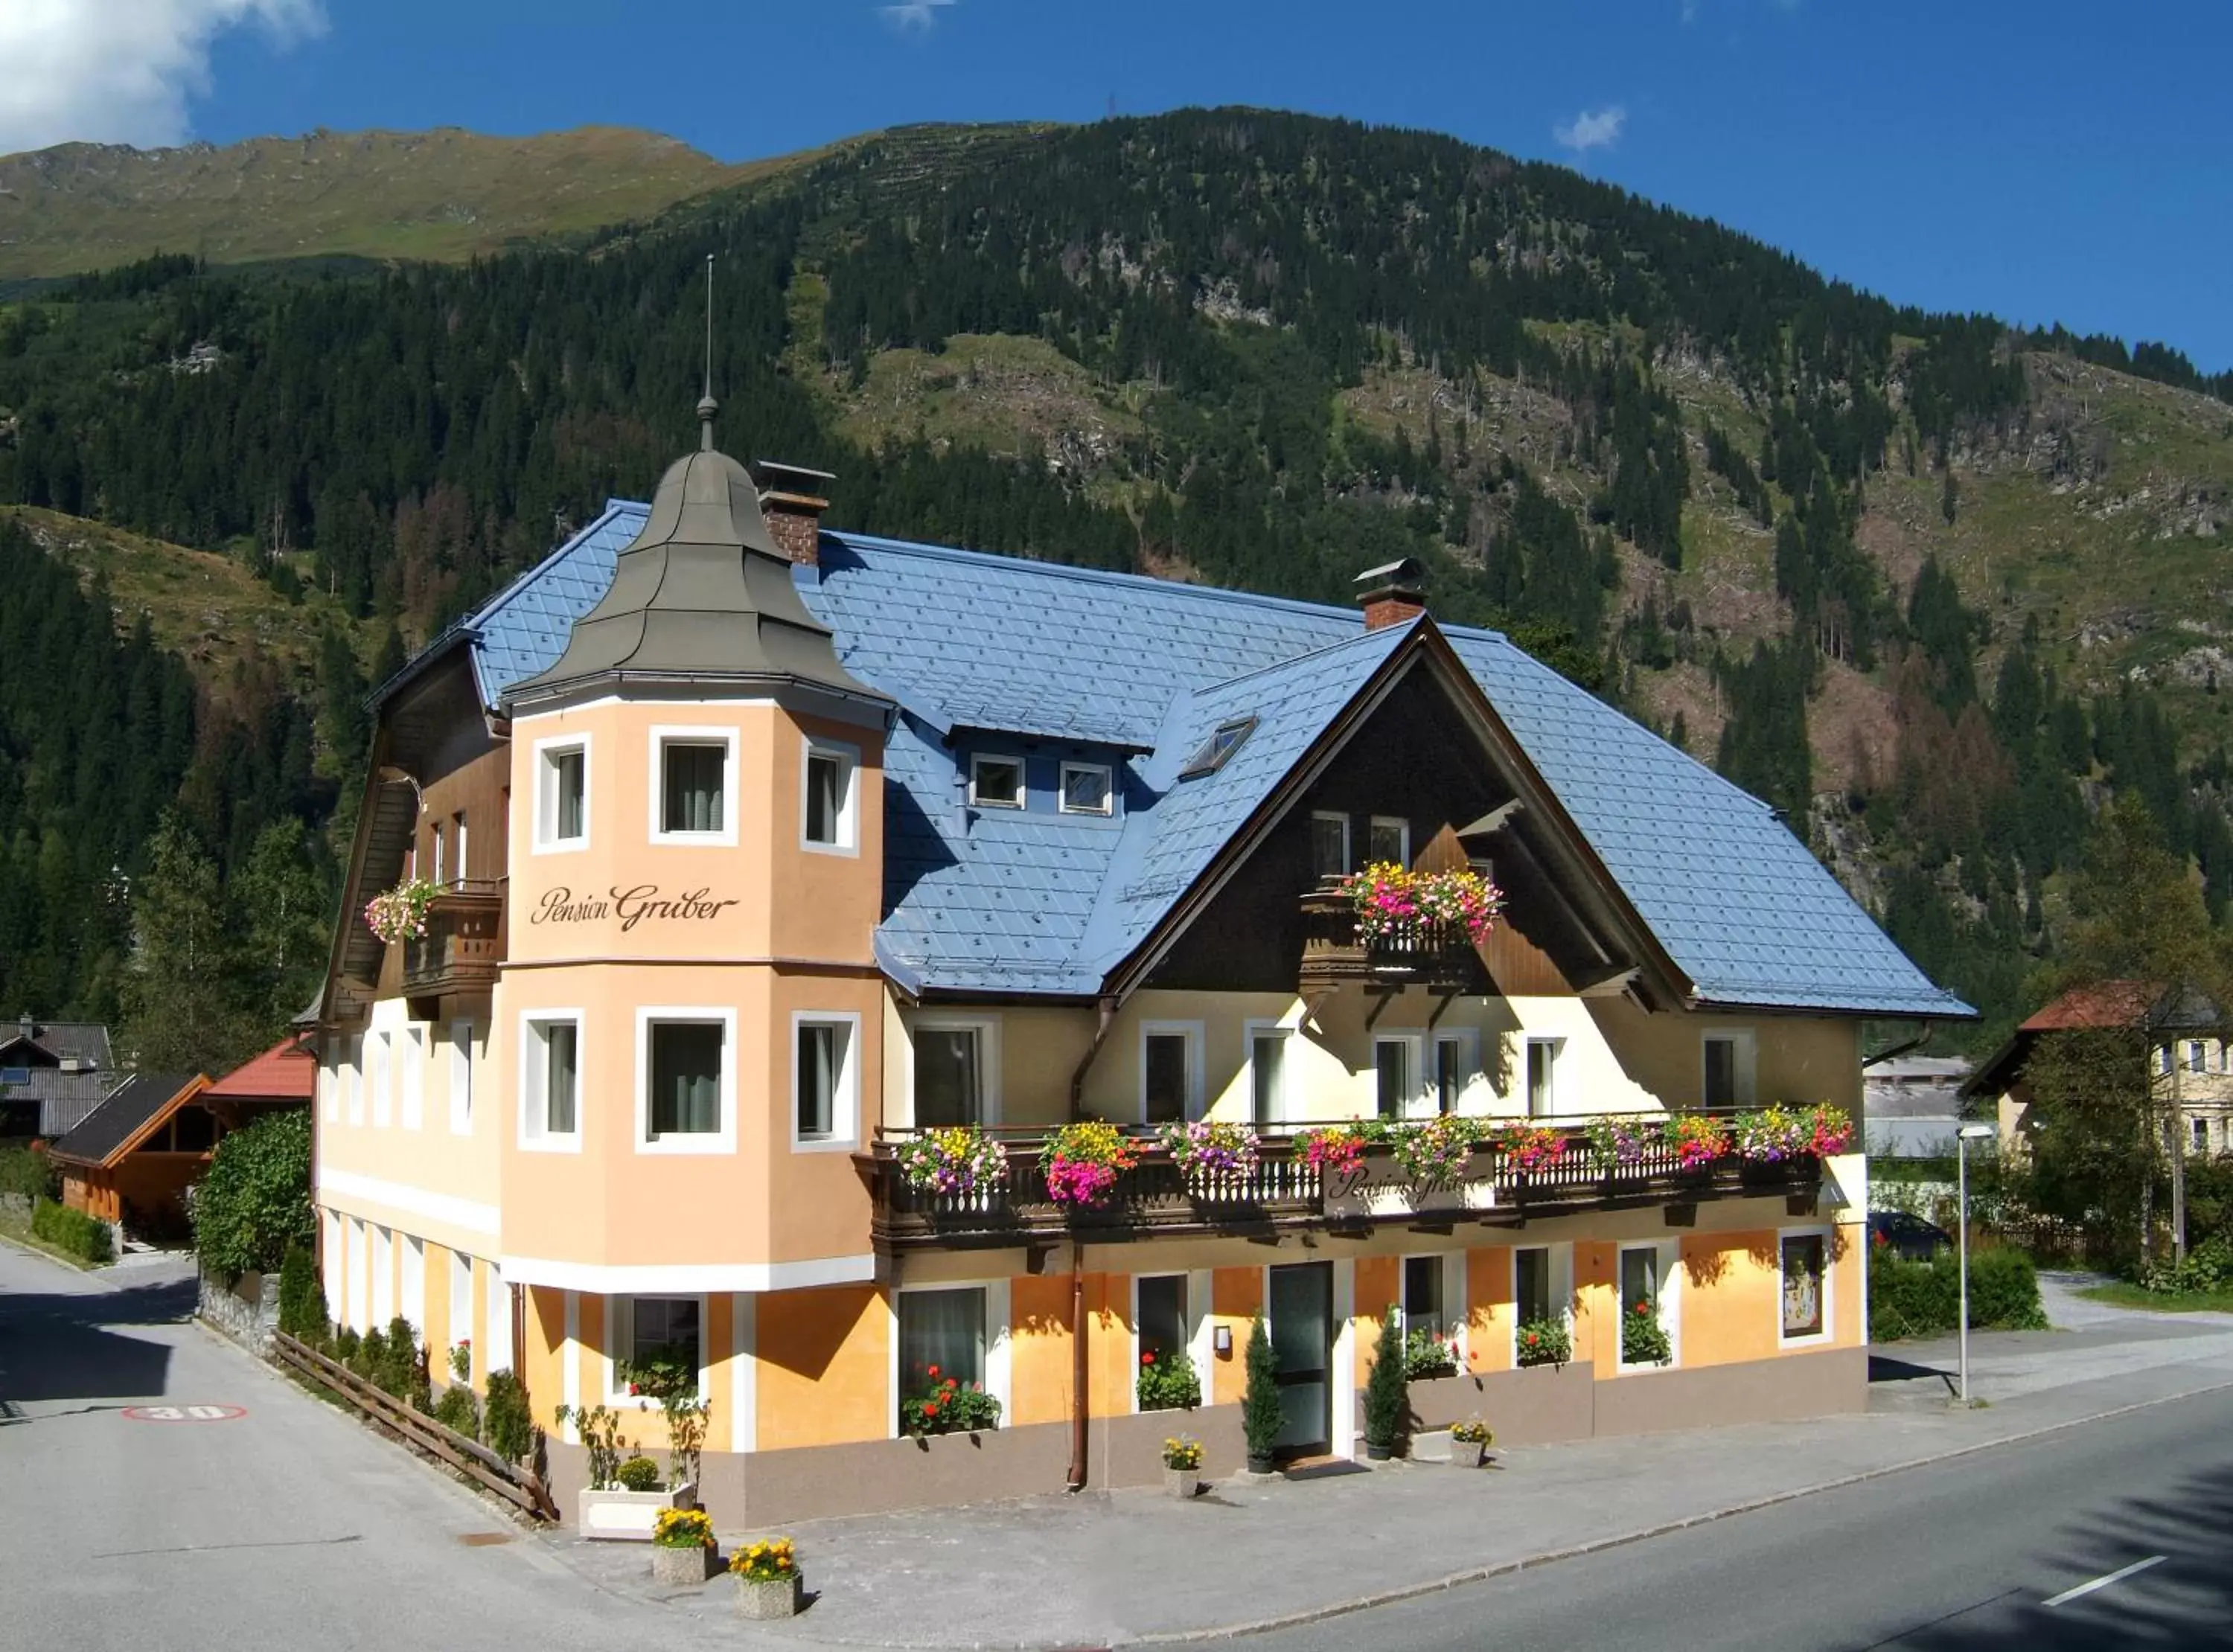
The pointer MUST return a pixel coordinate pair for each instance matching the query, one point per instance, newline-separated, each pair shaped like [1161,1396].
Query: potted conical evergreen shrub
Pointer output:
[1387,1403]
[1259,1402]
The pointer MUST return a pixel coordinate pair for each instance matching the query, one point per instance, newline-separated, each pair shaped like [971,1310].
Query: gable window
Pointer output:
[550,1078]
[824,1083]
[562,795]
[654,1342]
[1169,1071]
[1542,1076]
[1267,1075]
[1389,842]
[1729,1068]
[693,776]
[685,1075]
[1213,753]
[1804,1286]
[1394,1080]
[828,821]
[1329,844]
[1086,789]
[996,783]
[952,1073]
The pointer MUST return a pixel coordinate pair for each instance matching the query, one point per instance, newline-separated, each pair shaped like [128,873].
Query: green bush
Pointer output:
[1261,1416]
[402,1372]
[255,1199]
[1924,1298]
[301,1297]
[1168,1384]
[370,1358]
[2208,1268]
[638,1474]
[28,1173]
[345,1345]
[457,1409]
[507,1423]
[1387,1403]
[72,1230]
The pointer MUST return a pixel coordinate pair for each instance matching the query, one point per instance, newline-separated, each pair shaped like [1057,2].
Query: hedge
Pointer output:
[255,1199]
[72,1230]
[1924,1298]
[22,1171]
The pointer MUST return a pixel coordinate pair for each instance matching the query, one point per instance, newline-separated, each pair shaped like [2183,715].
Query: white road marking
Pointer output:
[2116,1577]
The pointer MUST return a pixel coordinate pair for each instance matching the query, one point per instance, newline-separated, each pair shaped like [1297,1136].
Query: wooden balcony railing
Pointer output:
[1282,1192]
[459,952]
[1417,955]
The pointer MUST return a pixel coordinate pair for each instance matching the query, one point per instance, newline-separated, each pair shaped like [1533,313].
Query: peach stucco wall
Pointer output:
[824,1366]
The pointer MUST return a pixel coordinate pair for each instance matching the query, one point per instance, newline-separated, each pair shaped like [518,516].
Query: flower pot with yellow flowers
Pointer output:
[681,1546]
[1182,1466]
[768,1583]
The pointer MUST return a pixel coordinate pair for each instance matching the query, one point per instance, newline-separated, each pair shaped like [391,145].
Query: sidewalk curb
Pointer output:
[1506,1568]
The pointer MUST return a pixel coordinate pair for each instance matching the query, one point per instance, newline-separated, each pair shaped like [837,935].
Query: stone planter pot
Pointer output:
[1181,1483]
[1433,1446]
[619,1516]
[678,1566]
[768,1597]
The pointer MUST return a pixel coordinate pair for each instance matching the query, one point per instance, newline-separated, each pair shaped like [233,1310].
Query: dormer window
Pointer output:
[1211,755]
[996,783]
[694,774]
[1086,789]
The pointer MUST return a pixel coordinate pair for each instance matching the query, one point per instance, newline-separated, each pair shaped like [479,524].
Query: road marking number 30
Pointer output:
[184,1413]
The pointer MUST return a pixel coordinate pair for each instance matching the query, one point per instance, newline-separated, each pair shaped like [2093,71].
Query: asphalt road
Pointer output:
[1982,1553]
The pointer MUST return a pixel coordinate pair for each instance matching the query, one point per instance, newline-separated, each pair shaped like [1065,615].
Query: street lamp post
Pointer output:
[1962,1138]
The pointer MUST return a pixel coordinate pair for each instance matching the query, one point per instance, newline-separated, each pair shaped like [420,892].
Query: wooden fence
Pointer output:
[522,1488]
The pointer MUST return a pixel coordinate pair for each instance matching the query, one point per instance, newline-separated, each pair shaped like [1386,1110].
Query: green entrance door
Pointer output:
[1302,1343]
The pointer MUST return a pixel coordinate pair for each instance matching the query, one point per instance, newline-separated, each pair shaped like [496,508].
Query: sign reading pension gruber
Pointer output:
[1379,1188]
[643,903]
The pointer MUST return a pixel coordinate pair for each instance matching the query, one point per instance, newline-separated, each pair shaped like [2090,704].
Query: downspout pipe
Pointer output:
[1109,1004]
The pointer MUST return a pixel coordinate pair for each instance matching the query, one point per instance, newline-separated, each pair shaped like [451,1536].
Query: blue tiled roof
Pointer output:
[988,901]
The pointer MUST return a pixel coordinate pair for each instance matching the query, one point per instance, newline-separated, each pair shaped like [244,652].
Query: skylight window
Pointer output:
[1224,740]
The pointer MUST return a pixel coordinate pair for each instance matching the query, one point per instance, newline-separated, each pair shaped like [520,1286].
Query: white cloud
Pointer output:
[1592,129]
[913,17]
[118,71]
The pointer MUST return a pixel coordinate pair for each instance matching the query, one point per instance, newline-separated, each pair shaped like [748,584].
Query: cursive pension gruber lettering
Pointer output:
[630,906]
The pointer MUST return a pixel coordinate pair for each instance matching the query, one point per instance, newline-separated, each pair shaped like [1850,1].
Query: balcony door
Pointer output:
[1301,1326]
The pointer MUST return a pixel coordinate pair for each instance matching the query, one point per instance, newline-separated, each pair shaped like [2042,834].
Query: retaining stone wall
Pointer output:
[246,1311]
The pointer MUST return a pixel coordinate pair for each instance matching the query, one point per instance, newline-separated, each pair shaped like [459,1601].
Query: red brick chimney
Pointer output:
[1390,593]
[791,500]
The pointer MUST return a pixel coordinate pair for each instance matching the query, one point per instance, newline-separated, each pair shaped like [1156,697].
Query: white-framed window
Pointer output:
[1647,1273]
[653,1332]
[1434,1298]
[1543,1076]
[686,1081]
[1395,1089]
[1088,789]
[562,794]
[825,1080]
[441,857]
[461,1078]
[997,782]
[379,1077]
[461,1303]
[1456,1061]
[1542,1289]
[353,1077]
[550,1081]
[412,1058]
[1726,1074]
[2197,1056]
[962,1329]
[1269,1072]
[457,830]
[1167,1322]
[1170,1071]
[1329,844]
[1388,839]
[1804,1315]
[954,1070]
[828,812]
[693,786]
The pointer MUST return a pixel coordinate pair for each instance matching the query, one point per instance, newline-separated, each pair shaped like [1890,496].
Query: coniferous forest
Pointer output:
[1277,349]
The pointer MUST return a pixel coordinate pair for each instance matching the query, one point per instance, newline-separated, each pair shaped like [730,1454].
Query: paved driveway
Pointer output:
[288,1528]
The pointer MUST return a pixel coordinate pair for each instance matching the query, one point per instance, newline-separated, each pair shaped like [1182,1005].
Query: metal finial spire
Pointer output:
[707,405]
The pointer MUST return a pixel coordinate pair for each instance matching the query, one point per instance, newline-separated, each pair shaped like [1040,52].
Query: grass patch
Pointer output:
[17,1231]
[2123,1295]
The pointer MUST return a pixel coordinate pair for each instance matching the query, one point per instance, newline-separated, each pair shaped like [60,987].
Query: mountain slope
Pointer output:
[443,195]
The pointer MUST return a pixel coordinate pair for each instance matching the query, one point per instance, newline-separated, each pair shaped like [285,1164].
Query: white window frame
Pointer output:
[534,1106]
[1348,848]
[614,1307]
[1671,1300]
[849,794]
[1403,829]
[1197,1316]
[1829,1331]
[1195,1034]
[441,878]
[1560,1282]
[1468,1040]
[461,1076]
[1283,1101]
[1745,1065]
[978,759]
[999,1345]
[711,1142]
[464,871]
[1418,1099]
[845,1105]
[666,734]
[547,752]
[352,1073]
[411,1054]
[461,1309]
[383,1061]
[1455,1311]
[1108,788]
[987,1029]
[1558,1049]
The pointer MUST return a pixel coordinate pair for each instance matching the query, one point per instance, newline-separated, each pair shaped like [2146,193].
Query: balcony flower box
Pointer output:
[1082,1162]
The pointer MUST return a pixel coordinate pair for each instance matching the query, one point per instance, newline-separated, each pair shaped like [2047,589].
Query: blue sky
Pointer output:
[2051,160]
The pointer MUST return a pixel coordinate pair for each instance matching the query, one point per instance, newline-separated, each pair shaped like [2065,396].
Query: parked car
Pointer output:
[1908,1237]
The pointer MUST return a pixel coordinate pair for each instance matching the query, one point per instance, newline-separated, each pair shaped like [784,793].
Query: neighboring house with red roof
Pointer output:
[131,1160]
[2189,1057]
